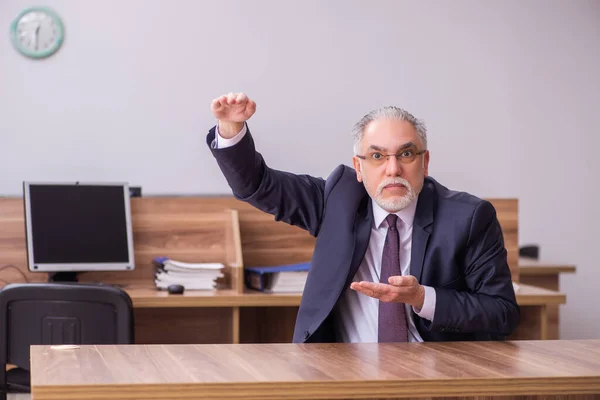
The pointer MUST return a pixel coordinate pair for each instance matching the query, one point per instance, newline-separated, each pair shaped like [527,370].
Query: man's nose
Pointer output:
[392,167]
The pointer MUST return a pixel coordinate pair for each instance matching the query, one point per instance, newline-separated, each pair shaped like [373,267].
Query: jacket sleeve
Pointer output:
[295,199]
[488,305]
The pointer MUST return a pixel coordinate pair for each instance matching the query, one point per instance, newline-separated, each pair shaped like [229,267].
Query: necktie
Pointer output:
[392,316]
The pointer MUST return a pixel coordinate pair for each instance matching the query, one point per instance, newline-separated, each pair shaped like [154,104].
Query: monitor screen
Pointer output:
[78,227]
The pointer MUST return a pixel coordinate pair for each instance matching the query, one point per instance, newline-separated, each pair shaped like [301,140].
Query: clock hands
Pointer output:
[37,35]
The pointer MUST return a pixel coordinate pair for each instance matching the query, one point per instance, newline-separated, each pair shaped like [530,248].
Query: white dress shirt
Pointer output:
[358,313]
[221,142]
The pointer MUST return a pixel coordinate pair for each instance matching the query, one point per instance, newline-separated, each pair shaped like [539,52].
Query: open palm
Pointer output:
[234,107]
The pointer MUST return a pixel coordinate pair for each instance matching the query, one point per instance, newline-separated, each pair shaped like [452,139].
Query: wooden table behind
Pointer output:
[317,371]
[546,275]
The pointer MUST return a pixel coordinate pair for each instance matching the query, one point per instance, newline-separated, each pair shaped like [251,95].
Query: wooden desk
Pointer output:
[540,369]
[245,306]
[530,267]
[535,304]
[146,296]
[546,275]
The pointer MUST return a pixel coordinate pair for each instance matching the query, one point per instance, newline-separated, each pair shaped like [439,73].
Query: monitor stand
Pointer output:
[64,276]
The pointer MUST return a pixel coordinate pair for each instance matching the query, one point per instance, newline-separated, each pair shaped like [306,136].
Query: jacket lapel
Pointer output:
[362,234]
[422,229]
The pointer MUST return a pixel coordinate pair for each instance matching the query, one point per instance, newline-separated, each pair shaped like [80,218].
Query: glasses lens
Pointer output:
[376,158]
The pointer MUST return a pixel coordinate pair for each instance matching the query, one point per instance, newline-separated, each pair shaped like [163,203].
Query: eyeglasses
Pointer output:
[377,158]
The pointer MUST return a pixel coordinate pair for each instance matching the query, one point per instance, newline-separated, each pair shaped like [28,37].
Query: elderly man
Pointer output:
[398,256]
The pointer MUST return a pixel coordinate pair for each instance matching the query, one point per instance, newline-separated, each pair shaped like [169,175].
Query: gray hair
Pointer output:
[389,112]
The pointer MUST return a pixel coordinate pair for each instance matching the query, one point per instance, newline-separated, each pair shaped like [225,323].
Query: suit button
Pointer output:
[306,334]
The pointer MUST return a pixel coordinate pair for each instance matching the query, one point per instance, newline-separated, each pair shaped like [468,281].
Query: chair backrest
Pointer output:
[60,313]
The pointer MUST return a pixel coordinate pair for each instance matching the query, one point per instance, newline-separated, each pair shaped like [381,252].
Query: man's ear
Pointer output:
[426,163]
[356,163]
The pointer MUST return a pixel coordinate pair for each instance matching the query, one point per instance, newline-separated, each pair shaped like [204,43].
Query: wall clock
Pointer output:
[37,32]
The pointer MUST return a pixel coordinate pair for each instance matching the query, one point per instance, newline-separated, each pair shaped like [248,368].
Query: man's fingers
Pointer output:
[383,292]
[241,98]
[251,107]
[215,105]
[233,107]
[371,289]
[407,280]
[221,101]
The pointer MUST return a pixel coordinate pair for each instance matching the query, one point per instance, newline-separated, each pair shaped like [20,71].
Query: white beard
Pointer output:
[393,205]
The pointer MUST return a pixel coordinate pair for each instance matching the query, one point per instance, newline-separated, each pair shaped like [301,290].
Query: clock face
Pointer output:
[37,32]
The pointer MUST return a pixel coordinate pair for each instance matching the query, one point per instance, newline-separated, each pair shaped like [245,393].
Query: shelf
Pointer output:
[528,267]
[528,295]
[147,296]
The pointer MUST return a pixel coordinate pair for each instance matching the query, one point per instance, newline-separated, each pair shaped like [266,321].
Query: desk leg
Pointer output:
[544,322]
[549,282]
[235,325]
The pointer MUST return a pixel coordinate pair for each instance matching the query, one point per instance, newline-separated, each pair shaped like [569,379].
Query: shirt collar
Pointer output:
[407,215]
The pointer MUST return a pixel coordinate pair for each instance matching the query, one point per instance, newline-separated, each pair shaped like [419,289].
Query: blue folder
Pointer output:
[280,268]
[259,278]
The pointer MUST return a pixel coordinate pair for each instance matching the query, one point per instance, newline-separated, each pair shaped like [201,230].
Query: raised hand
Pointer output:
[232,110]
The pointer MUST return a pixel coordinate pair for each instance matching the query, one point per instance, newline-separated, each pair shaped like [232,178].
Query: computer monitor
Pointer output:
[76,227]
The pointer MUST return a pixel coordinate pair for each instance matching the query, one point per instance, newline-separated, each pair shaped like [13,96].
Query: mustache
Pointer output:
[394,181]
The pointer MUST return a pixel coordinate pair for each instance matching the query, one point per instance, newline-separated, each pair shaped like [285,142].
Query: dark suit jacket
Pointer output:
[457,246]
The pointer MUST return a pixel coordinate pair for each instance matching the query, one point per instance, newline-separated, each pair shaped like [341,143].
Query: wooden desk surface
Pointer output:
[529,295]
[528,266]
[303,371]
[147,296]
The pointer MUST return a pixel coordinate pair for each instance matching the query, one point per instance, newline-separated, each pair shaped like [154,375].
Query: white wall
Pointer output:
[509,91]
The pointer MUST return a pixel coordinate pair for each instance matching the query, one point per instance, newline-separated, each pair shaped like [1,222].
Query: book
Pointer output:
[192,276]
[290,278]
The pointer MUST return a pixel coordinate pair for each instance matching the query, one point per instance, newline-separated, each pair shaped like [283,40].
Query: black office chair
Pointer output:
[57,313]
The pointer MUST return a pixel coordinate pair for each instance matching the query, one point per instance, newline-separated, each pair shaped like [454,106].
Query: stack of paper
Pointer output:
[192,276]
